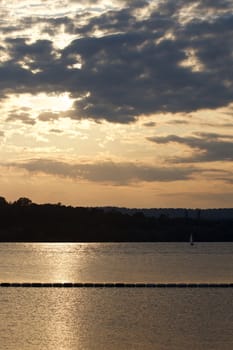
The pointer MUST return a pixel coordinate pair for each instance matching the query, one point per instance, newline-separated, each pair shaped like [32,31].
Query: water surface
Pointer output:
[99,319]
[123,318]
[116,262]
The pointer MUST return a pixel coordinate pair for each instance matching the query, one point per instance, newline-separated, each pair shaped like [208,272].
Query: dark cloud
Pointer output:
[227,125]
[178,121]
[150,124]
[121,173]
[38,55]
[222,125]
[48,116]
[9,29]
[124,2]
[14,78]
[21,116]
[207,147]
[56,131]
[50,25]
[170,8]
[226,178]
[215,4]
[1,133]
[135,67]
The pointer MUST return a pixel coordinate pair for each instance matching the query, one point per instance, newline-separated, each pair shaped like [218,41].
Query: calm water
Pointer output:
[99,319]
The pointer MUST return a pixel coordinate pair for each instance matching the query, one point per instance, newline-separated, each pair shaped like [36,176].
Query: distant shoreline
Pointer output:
[24,221]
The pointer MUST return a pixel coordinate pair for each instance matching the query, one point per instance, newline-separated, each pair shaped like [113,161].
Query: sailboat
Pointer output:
[191,239]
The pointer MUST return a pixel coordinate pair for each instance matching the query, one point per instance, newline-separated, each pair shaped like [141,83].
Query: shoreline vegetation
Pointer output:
[24,221]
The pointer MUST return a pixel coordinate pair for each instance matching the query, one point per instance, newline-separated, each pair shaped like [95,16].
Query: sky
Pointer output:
[117,103]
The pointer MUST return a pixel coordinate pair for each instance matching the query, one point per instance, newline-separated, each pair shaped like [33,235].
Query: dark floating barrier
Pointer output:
[114,285]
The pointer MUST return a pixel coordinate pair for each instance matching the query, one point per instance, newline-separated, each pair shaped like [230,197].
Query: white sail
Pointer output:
[191,239]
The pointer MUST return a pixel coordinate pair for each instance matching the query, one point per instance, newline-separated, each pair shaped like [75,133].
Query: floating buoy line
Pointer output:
[114,285]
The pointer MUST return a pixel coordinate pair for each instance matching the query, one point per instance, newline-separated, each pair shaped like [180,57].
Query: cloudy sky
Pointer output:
[121,102]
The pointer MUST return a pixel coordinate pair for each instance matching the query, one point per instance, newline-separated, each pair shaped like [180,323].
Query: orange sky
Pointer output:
[123,103]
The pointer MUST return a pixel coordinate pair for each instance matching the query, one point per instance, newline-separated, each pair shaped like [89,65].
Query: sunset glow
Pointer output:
[122,103]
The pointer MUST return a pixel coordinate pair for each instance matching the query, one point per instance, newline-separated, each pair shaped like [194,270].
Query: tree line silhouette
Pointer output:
[25,221]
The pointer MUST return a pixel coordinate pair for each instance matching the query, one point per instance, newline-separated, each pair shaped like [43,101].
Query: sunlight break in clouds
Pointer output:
[128,96]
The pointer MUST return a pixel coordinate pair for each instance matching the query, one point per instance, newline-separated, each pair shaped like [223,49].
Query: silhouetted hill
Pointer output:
[206,214]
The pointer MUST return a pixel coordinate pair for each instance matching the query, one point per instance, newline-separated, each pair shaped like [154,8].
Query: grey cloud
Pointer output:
[178,121]
[124,82]
[126,2]
[121,173]
[48,116]
[169,7]
[215,4]
[1,134]
[227,125]
[23,117]
[223,199]
[85,1]
[217,200]
[211,49]
[40,52]
[208,147]
[49,25]
[14,78]
[227,178]
[133,69]
[56,131]
[9,29]
[150,124]
[222,125]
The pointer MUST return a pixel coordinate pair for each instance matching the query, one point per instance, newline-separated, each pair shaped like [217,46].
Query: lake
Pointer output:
[126,318]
